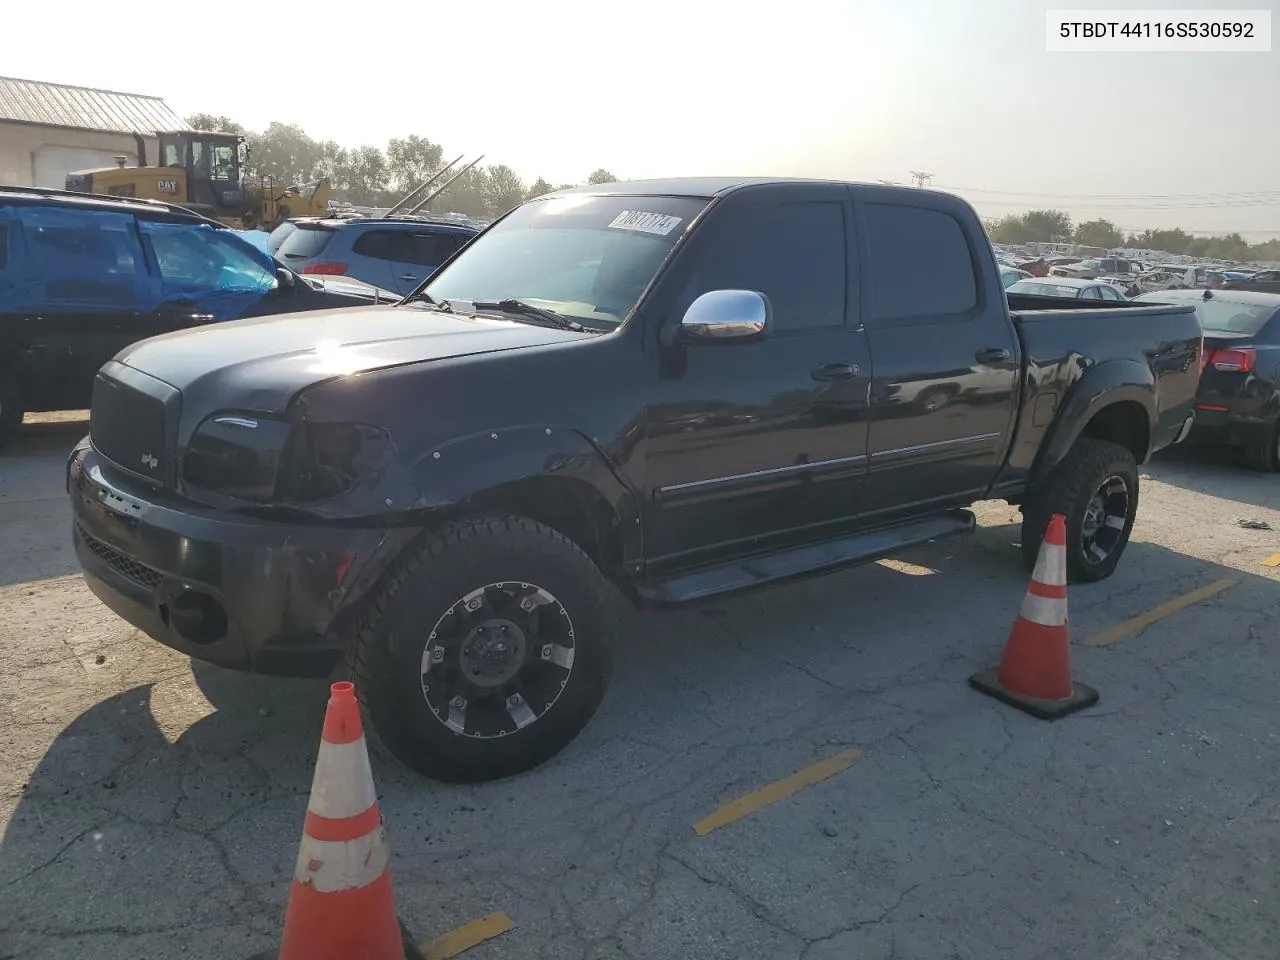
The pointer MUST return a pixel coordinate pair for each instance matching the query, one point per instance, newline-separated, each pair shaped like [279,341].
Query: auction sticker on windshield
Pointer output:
[659,223]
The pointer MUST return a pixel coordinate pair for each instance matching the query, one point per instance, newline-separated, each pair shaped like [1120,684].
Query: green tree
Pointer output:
[566,186]
[465,195]
[412,160]
[538,188]
[601,175]
[284,153]
[334,161]
[1052,226]
[1009,229]
[1099,233]
[503,189]
[366,176]
[1169,241]
[216,124]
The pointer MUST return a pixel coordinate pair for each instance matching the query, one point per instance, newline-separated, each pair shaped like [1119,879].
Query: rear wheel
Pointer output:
[487,651]
[11,406]
[1095,488]
[1263,451]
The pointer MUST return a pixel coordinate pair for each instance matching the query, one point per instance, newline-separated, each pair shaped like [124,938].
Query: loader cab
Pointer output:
[211,162]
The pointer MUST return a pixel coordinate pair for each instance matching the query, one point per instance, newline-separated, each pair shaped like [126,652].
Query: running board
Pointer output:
[804,561]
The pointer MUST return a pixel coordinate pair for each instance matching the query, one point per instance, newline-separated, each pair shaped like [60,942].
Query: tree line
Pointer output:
[1055,226]
[371,176]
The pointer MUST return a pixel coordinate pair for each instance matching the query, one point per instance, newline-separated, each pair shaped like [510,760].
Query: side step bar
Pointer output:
[807,560]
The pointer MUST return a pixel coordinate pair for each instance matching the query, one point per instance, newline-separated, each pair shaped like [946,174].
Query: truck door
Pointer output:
[945,356]
[765,440]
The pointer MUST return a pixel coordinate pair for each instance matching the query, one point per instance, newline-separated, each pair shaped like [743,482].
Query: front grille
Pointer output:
[127,567]
[127,427]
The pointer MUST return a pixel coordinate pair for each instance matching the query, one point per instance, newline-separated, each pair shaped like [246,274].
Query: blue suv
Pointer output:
[394,253]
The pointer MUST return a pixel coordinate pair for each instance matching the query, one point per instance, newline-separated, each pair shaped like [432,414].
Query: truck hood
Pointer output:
[261,363]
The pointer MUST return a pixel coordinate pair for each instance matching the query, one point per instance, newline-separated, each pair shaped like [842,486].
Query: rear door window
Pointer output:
[279,235]
[378,244]
[920,263]
[305,243]
[80,261]
[426,249]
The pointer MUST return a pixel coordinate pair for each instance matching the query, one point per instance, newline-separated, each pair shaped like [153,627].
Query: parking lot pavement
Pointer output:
[152,807]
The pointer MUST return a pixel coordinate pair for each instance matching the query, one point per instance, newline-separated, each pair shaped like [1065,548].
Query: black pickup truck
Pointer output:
[677,389]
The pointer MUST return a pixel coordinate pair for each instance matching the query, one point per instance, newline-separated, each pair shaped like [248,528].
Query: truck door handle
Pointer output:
[835,371]
[992,355]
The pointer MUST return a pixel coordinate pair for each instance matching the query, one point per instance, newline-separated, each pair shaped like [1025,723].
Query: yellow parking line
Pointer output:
[465,937]
[1144,620]
[1272,561]
[778,790]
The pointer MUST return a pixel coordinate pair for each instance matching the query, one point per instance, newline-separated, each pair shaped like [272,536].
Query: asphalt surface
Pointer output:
[152,807]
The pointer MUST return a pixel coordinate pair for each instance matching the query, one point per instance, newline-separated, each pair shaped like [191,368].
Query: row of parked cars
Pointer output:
[1130,277]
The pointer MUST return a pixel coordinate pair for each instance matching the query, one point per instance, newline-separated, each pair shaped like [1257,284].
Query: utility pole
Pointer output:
[920,177]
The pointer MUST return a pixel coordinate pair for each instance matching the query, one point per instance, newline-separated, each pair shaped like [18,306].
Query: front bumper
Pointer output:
[242,593]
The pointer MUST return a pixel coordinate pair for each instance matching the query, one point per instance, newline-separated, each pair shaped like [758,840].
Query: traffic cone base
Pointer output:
[341,905]
[1082,697]
[1035,672]
[411,950]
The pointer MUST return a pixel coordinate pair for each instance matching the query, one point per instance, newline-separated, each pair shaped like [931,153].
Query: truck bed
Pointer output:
[1074,349]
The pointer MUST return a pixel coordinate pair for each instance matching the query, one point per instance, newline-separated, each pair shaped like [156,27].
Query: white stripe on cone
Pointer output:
[1046,611]
[1051,565]
[343,782]
[331,866]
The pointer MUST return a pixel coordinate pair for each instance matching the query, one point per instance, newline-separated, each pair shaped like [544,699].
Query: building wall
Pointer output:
[56,151]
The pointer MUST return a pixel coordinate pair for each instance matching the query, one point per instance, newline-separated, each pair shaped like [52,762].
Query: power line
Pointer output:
[921,178]
[1240,195]
[1130,206]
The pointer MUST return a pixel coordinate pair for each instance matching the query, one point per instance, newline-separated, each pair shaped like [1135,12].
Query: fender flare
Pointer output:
[1102,385]
[451,474]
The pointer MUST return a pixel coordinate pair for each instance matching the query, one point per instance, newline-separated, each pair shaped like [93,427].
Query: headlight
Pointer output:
[264,460]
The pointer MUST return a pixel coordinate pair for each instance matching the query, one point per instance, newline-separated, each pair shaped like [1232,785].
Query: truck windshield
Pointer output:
[587,258]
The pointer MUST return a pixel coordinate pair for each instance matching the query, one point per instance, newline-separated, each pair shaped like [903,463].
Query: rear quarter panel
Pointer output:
[1081,361]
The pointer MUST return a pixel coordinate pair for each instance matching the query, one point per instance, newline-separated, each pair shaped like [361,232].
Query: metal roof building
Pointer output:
[83,108]
[47,130]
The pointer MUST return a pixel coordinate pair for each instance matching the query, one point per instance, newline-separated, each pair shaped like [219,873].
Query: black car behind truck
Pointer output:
[1238,402]
[677,389]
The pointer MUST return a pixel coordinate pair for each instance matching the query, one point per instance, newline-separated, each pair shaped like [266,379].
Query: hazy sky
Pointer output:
[858,90]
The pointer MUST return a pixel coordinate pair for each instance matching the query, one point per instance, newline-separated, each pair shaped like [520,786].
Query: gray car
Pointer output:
[393,253]
[1071,287]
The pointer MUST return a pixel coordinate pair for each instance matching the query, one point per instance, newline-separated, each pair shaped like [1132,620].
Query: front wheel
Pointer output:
[1095,488]
[487,651]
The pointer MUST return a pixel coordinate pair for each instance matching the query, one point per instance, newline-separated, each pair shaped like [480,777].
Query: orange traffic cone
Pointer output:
[1035,672]
[341,904]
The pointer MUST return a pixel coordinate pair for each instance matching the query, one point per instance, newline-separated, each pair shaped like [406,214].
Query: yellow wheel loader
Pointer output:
[201,170]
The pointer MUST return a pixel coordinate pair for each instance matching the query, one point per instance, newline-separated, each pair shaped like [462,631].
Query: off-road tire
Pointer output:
[11,406]
[1262,452]
[386,655]
[1068,491]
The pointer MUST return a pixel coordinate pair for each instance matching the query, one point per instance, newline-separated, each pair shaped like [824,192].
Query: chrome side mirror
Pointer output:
[726,315]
